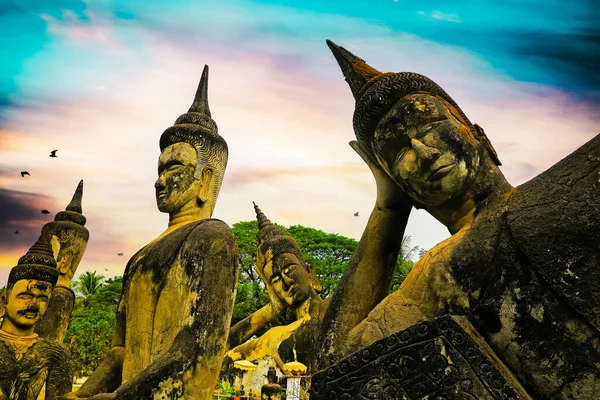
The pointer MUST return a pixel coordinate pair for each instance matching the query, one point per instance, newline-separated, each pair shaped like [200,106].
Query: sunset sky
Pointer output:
[101,80]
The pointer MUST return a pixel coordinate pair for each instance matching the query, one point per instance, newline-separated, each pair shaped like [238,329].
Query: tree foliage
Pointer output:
[90,332]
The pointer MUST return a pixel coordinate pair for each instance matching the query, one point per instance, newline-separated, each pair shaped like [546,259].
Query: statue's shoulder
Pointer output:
[207,237]
[210,229]
[54,351]
[554,220]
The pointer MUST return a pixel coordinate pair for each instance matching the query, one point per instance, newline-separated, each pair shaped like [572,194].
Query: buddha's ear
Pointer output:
[206,179]
[488,145]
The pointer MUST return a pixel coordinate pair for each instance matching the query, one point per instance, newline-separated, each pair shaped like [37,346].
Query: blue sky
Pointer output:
[100,80]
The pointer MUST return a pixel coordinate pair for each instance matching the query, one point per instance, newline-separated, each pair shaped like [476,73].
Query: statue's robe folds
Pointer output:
[174,313]
[45,362]
[527,274]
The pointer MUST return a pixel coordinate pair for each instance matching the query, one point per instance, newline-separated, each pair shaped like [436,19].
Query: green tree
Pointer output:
[404,264]
[88,284]
[90,332]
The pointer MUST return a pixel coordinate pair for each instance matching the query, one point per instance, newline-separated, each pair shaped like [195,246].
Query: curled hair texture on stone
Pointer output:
[38,263]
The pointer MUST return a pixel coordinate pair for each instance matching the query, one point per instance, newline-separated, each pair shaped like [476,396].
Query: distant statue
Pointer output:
[272,389]
[69,238]
[28,361]
[291,283]
[522,263]
[175,309]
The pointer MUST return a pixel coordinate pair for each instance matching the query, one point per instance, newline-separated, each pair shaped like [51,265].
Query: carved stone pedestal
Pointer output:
[441,359]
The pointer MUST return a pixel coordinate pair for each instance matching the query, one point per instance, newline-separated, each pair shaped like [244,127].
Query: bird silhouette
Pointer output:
[45,212]
[23,173]
[119,254]
[106,269]
[16,232]
[53,153]
[356,214]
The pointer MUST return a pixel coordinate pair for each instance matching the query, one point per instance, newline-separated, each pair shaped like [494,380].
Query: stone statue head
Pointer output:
[279,260]
[193,158]
[272,375]
[68,237]
[29,288]
[415,131]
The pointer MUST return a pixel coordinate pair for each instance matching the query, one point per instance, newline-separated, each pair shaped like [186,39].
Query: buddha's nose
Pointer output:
[424,152]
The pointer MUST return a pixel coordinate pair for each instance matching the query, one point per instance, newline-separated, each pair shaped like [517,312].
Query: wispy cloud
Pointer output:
[440,16]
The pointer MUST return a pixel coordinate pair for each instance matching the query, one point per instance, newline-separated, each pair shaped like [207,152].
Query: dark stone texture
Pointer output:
[53,325]
[443,358]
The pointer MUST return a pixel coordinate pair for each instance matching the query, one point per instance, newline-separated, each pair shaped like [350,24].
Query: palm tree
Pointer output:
[88,284]
[404,263]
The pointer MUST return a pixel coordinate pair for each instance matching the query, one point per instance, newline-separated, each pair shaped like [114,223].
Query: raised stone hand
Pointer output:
[389,194]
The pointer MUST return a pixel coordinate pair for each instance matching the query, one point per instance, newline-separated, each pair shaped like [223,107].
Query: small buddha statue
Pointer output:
[28,362]
[292,284]
[69,238]
[272,389]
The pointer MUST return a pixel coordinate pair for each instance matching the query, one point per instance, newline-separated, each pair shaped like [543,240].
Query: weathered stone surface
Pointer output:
[521,264]
[175,310]
[292,284]
[444,358]
[68,237]
[28,363]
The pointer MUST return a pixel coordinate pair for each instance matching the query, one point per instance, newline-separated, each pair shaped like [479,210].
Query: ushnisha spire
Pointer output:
[39,254]
[73,212]
[196,126]
[376,93]
[266,229]
[38,263]
[200,104]
[356,71]
[75,204]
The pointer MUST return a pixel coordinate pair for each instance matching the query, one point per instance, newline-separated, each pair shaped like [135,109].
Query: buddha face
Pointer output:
[426,147]
[288,278]
[176,186]
[68,241]
[26,302]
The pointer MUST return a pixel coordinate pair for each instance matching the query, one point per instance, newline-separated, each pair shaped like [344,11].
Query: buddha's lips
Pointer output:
[441,170]
[28,314]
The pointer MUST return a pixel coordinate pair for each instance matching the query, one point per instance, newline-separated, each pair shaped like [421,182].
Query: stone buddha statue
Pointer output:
[523,263]
[28,361]
[175,309]
[272,389]
[291,284]
[69,237]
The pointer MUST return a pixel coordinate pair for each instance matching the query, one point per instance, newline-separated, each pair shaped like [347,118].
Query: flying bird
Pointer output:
[45,212]
[53,153]
[23,173]
[119,254]
[106,269]
[16,232]
[356,214]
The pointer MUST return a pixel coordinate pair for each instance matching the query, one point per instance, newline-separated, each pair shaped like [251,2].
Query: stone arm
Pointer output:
[365,283]
[189,369]
[247,327]
[60,376]
[368,277]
